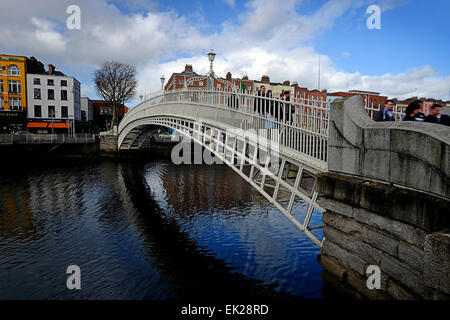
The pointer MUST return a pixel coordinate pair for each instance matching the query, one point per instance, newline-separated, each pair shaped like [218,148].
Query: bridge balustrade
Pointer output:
[300,125]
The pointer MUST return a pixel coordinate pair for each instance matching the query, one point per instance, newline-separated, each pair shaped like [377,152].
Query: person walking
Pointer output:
[412,112]
[386,113]
[420,116]
[288,108]
[259,103]
[435,114]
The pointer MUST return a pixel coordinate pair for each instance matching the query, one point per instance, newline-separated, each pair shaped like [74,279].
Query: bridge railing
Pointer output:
[299,124]
[372,110]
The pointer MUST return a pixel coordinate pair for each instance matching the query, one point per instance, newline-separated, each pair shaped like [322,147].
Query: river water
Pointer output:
[148,230]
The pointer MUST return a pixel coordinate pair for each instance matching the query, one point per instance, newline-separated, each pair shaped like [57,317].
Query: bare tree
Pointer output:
[116,83]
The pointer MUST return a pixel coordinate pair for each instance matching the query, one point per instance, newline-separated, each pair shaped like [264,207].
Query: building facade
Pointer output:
[13,93]
[181,80]
[87,116]
[102,115]
[371,99]
[54,102]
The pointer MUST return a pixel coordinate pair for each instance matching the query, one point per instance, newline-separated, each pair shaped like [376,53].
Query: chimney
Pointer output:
[245,77]
[287,83]
[265,78]
[188,68]
[229,76]
[324,91]
[295,84]
[51,69]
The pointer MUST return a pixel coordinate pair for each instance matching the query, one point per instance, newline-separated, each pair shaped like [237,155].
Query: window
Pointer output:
[1,85]
[63,94]
[13,70]
[180,81]
[14,86]
[83,115]
[64,112]
[50,82]
[2,104]
[15,103]
[37,111]
[36,81]
[200,83]
[37,93]
[51,94]
[51,111]
[63,83]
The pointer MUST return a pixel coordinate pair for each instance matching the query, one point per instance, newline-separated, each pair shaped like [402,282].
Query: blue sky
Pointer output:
[408,56]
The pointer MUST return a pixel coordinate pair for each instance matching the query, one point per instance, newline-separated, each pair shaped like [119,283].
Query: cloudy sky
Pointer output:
[408,56]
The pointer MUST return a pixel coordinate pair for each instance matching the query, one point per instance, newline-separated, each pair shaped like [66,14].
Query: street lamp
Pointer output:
[162,82]
[211,56]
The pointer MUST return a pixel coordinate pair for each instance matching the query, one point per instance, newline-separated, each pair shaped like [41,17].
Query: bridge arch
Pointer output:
[277,156]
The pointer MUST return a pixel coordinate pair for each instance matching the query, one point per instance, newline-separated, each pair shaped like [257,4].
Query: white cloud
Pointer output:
[47,36]
[269,38]
[229,2]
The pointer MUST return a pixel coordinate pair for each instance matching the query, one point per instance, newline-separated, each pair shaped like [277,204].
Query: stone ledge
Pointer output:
[421,210]
[339,215]
[405,275]
[369,254]
[398,292]
[345,257]
[353,279]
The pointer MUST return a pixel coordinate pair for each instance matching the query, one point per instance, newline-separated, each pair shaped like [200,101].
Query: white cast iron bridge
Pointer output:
[277,146]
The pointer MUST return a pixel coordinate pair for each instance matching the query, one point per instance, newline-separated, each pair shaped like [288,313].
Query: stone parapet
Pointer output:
[411,154]
[387,204]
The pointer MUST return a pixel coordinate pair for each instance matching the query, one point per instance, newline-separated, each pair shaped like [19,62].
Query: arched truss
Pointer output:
[284,181]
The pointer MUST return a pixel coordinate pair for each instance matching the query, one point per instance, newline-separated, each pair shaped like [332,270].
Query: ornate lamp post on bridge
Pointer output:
[162,82]
[211,57]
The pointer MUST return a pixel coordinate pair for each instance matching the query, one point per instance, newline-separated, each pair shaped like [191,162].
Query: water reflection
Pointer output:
[147,231]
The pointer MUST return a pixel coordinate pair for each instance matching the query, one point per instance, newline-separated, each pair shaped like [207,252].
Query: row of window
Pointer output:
[50,82]
[13,70]
[50,94]
[51,111]
[13,86]
[14,103]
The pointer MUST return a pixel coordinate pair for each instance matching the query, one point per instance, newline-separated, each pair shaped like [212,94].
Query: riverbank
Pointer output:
[21,154]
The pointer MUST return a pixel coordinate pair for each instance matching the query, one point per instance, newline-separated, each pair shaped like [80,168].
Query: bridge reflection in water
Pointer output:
[136,232]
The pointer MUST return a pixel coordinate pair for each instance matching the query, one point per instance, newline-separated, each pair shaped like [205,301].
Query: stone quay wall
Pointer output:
[387,203]
[108,143]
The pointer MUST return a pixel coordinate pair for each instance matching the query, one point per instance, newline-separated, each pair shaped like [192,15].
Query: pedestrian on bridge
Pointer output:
[435,114]
[386,113]
[259,103]
[412,112]
[289,109]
